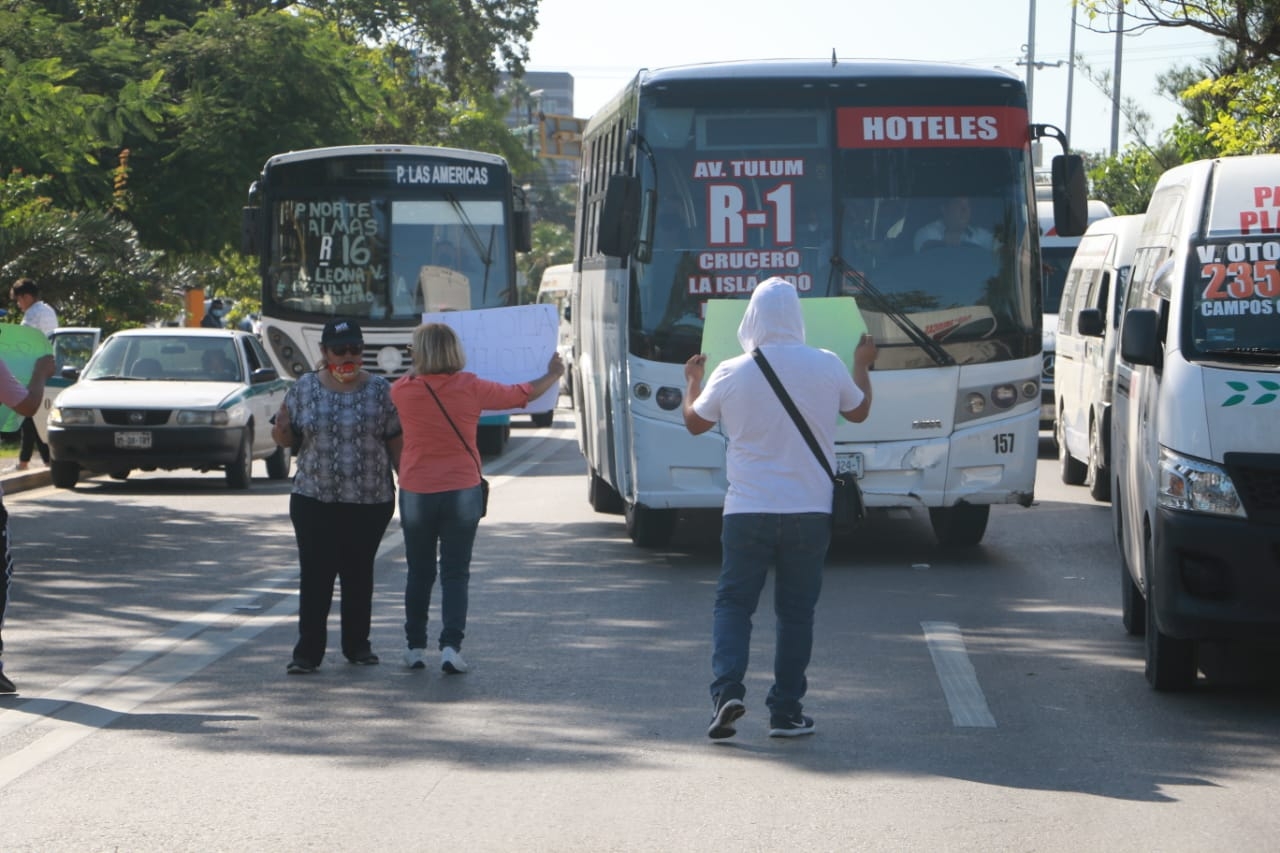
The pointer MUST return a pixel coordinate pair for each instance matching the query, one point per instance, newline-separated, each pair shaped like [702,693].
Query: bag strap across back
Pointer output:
[790,406]
[456,431]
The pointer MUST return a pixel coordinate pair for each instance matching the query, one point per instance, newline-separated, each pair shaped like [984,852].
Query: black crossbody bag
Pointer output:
[484,484]
[847,507]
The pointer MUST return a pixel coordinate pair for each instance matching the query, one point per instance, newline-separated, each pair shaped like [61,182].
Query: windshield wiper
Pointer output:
[1244,352]
[485,252]
[918,336]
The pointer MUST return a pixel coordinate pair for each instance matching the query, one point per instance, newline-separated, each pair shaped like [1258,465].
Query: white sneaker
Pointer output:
[415,658]
[451,661]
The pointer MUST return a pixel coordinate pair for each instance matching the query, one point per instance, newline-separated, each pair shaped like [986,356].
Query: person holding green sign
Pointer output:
[777,512]
[25,400]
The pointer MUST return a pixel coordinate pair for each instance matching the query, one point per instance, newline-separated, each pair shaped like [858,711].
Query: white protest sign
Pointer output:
[507,345]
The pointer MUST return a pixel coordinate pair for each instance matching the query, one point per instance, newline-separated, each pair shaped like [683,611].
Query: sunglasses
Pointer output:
[347,349]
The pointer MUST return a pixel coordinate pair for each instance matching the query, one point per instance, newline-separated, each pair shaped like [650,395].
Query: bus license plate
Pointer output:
[849,463]
[133,440]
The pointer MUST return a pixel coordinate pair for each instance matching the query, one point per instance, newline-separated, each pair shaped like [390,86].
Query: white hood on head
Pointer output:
[773,316]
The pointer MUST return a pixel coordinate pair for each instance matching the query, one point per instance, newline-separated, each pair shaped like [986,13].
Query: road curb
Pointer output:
[21,481]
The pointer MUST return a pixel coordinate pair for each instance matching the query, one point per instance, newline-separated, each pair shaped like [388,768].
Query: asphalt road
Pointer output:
[978,700]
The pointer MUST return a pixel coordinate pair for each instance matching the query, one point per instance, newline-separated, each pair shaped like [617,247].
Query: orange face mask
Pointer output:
[345,372]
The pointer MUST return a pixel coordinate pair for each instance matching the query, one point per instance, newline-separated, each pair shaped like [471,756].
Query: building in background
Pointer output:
[542,112]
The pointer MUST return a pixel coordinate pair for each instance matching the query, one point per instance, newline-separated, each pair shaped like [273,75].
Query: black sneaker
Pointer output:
[790,725]
[364,659]
[728,711]
[298,666]
[6,686]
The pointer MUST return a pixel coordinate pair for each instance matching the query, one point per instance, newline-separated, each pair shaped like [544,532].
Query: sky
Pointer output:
[603,43]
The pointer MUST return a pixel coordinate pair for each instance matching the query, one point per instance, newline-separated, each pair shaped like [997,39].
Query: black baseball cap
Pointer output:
[339,332]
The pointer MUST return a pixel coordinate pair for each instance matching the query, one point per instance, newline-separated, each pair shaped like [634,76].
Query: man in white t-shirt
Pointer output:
[953,227]
[777,512]
[25,400]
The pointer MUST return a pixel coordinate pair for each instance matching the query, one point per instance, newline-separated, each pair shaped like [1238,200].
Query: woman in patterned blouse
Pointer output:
[345,431]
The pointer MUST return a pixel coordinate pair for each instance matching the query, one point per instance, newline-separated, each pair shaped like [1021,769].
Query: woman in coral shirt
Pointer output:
[441,501]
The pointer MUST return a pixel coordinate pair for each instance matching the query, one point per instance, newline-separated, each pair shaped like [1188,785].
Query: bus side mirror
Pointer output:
[568,314]
[1070,204]
[1089,322]
[523,225]
[619,217]
[1140,337]
[249,231]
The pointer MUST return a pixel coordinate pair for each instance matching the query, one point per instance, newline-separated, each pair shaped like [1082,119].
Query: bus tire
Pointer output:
[543,419]
[64,475]
[959,525]
[603,497]
[492,440]
[650,528]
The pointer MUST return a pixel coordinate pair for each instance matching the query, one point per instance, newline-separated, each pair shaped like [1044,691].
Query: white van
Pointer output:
[1195,446]
[1084,366]
[555,289]
[1056,253]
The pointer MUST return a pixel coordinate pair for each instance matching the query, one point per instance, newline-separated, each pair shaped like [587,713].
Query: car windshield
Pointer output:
[166,357]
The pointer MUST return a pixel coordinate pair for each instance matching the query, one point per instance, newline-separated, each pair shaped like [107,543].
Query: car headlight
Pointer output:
[1194,485]
[59,416]
[202,417]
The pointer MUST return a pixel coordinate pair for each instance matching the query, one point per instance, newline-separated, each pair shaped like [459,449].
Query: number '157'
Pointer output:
[1004,442]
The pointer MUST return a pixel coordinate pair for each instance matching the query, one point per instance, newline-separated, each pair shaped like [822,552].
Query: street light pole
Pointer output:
[1071,70]
[1115,94]
[1031,58]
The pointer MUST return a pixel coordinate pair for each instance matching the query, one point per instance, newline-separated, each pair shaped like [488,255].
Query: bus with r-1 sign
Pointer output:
[907,185]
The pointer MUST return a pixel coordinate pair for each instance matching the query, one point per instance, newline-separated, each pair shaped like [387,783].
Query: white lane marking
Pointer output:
[141,685]
[959,681]
[157,663]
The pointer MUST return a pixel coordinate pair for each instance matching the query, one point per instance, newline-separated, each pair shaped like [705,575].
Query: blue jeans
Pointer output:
[446,521]
[795,546]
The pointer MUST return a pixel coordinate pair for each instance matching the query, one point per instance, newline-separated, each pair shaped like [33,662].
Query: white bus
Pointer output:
[382,233]
[699,182]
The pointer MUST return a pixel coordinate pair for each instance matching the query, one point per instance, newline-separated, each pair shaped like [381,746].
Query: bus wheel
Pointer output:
[64,474]
[492,440]
[603,497]
[962,524]
[650,528]
[1171,662]
[543,419]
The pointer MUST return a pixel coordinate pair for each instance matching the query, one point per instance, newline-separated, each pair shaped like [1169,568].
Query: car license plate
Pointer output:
[139,440]
[847,463]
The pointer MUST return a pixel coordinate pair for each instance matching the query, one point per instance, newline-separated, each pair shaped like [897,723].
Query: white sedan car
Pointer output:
[171,398]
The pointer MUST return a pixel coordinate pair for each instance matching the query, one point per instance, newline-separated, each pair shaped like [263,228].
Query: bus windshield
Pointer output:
[385,256]
[741,195]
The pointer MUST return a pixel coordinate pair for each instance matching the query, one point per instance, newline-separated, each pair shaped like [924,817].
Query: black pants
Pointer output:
[336,541]
[31,442]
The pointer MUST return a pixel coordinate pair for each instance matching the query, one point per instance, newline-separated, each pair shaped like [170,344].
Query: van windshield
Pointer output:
[1233,291]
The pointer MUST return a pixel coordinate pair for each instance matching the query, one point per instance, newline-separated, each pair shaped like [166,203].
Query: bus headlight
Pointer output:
[974,403]
[1194,485]
[1004,396]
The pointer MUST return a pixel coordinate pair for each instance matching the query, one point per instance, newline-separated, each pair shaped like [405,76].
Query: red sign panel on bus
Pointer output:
[932,127]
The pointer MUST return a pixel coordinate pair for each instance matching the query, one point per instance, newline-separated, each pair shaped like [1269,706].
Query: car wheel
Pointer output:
[1099,477]
[240,472]
[1072,470]
[959,525]
[543,419]
[1171,661]
[65,475]
[278,463]
[650,528]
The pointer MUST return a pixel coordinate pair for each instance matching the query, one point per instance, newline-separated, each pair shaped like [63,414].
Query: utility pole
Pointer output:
[1071,71]
[1115,94]
[1031,58]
